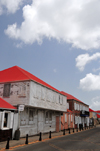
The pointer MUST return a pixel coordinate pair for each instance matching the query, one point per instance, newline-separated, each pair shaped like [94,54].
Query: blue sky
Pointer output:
[57,42]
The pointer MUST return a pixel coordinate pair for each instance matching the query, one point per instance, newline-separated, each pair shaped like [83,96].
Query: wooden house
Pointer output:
[42,103]
[80,110]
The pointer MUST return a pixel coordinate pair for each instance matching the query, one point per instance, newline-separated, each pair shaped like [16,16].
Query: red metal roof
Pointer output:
[16,73]
[70,97]
[98,116]
[97,111]
[6,105]
[90,110]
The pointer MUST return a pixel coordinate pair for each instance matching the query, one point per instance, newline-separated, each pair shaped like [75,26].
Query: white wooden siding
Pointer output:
[47,98]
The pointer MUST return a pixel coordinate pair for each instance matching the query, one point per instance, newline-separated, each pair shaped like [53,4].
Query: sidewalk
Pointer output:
[34,139]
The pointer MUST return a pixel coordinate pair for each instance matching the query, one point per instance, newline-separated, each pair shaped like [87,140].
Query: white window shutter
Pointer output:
[2,119]
[11,119]
[74,106]
[67,105]
[79,119]
[77,106]
[71,118]
[75,119]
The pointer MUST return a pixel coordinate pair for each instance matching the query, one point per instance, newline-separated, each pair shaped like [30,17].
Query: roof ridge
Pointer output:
[22,70]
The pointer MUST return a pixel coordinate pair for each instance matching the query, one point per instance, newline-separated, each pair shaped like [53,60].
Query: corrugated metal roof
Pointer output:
[16,73]
[6,105]
[90,110]
[97,111]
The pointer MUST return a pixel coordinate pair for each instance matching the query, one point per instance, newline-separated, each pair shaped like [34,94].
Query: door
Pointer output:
[40,121]
[57,123]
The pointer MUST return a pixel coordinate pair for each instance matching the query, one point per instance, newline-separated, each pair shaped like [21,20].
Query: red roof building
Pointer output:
[32,95]
[80,109]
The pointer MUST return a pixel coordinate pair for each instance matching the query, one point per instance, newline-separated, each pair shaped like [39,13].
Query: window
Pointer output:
[27,116]
[43,91]
[67,105]
[22,90]
[48,117]
[76,120]
[6,120]
[22,118]
[6,92]
[31,116]
[69,119]
[78,107]
[59,98]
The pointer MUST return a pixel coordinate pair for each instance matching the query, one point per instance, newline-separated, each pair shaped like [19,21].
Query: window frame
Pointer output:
[9,120]
[31,122]
[48,119]
[4,90]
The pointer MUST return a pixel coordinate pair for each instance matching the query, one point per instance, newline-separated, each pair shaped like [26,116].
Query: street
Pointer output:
[88,140]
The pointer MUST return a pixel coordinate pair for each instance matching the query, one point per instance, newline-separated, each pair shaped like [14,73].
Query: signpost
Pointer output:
[20,108]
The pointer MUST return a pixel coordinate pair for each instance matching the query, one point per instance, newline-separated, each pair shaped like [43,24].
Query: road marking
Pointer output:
[56,147]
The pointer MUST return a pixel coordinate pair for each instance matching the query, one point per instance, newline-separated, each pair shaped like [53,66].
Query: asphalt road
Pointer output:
[88,140]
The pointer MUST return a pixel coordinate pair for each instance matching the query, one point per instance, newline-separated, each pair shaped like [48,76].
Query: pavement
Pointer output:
[14,144]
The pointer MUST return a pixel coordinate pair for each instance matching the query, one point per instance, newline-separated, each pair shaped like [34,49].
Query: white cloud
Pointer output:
[11,5]
[95,105]
[94,70]
[91,82]
[73,21]
[84,59]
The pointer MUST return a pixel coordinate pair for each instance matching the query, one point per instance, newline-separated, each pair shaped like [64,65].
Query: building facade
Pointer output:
[43,104]
[67,120]
[79,109]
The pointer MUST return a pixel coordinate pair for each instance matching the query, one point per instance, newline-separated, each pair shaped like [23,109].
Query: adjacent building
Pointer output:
[6,119]
[79,109]
[67,120]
